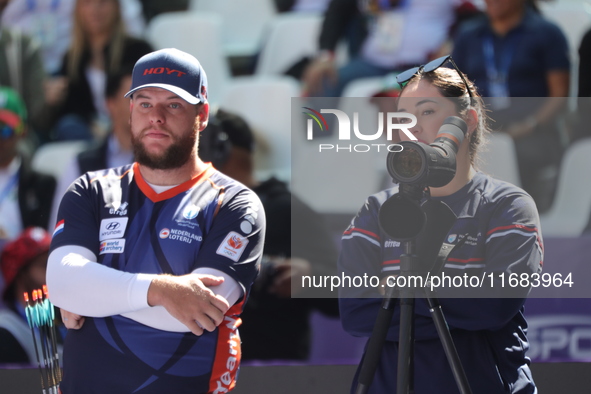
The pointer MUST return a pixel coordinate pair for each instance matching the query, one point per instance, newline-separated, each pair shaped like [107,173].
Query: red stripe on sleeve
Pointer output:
[362,231]
[518,226]
[471,260]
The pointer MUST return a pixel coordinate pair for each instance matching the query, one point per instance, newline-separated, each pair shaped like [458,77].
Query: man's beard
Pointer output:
[175,156]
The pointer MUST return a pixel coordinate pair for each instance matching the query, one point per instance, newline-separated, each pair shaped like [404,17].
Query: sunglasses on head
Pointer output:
[6,131]
[433,65]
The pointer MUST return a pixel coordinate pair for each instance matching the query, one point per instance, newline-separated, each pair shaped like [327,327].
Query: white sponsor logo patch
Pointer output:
[391,244]
[180,235]
[246,227]
[232,246]
[112,228]
[112,246]
[191,212]
[117,209]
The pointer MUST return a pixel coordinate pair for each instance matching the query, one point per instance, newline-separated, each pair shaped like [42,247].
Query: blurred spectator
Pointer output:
[23,263]
[276,326]
[21,67]
[585,65]
[99,47]
[25,195]
[584,107]
[114,150]
[584,92]
[50,23]
[383,36]
[151,8]
[47,21]
[513,51]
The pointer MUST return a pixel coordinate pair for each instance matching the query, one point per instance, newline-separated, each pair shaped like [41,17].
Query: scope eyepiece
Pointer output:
[431,165]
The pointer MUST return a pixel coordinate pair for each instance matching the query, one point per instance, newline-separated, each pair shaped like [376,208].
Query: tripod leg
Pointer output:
[448,345]
[405,382]
[376,342]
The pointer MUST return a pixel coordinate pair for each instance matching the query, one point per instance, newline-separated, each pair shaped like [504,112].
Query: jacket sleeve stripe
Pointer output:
[351,234]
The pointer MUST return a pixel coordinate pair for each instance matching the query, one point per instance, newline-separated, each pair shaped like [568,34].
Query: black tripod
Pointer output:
[432,220]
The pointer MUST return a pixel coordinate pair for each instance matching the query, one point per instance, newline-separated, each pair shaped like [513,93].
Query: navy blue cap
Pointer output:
[173,70]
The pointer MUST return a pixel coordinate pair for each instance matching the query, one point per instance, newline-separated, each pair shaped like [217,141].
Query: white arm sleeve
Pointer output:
[78,284]
[159,318]
[231,290]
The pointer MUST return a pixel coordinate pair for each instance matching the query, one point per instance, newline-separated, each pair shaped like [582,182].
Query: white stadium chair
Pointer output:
[364,87]
[289,38]
[199,35]
[572,205]
[499,159]
[337,181]
[52,158]
[265,103]
[356,98]
[243,22]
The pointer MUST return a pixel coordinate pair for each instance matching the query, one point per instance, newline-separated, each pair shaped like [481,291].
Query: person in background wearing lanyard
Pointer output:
[25,195]
[514,52]
[383,36]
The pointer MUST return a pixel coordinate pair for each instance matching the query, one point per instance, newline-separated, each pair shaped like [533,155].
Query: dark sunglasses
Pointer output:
[433,65]
[6,131]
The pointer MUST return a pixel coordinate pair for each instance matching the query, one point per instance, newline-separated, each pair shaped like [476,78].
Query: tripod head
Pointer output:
[401,216]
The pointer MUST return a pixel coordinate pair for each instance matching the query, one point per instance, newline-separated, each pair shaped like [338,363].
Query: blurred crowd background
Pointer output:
[65,65]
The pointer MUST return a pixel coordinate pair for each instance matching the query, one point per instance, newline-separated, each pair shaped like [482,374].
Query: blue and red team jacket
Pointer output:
[501,225]
[209,221]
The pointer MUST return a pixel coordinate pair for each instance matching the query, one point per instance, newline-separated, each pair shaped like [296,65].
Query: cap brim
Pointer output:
[171,88]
